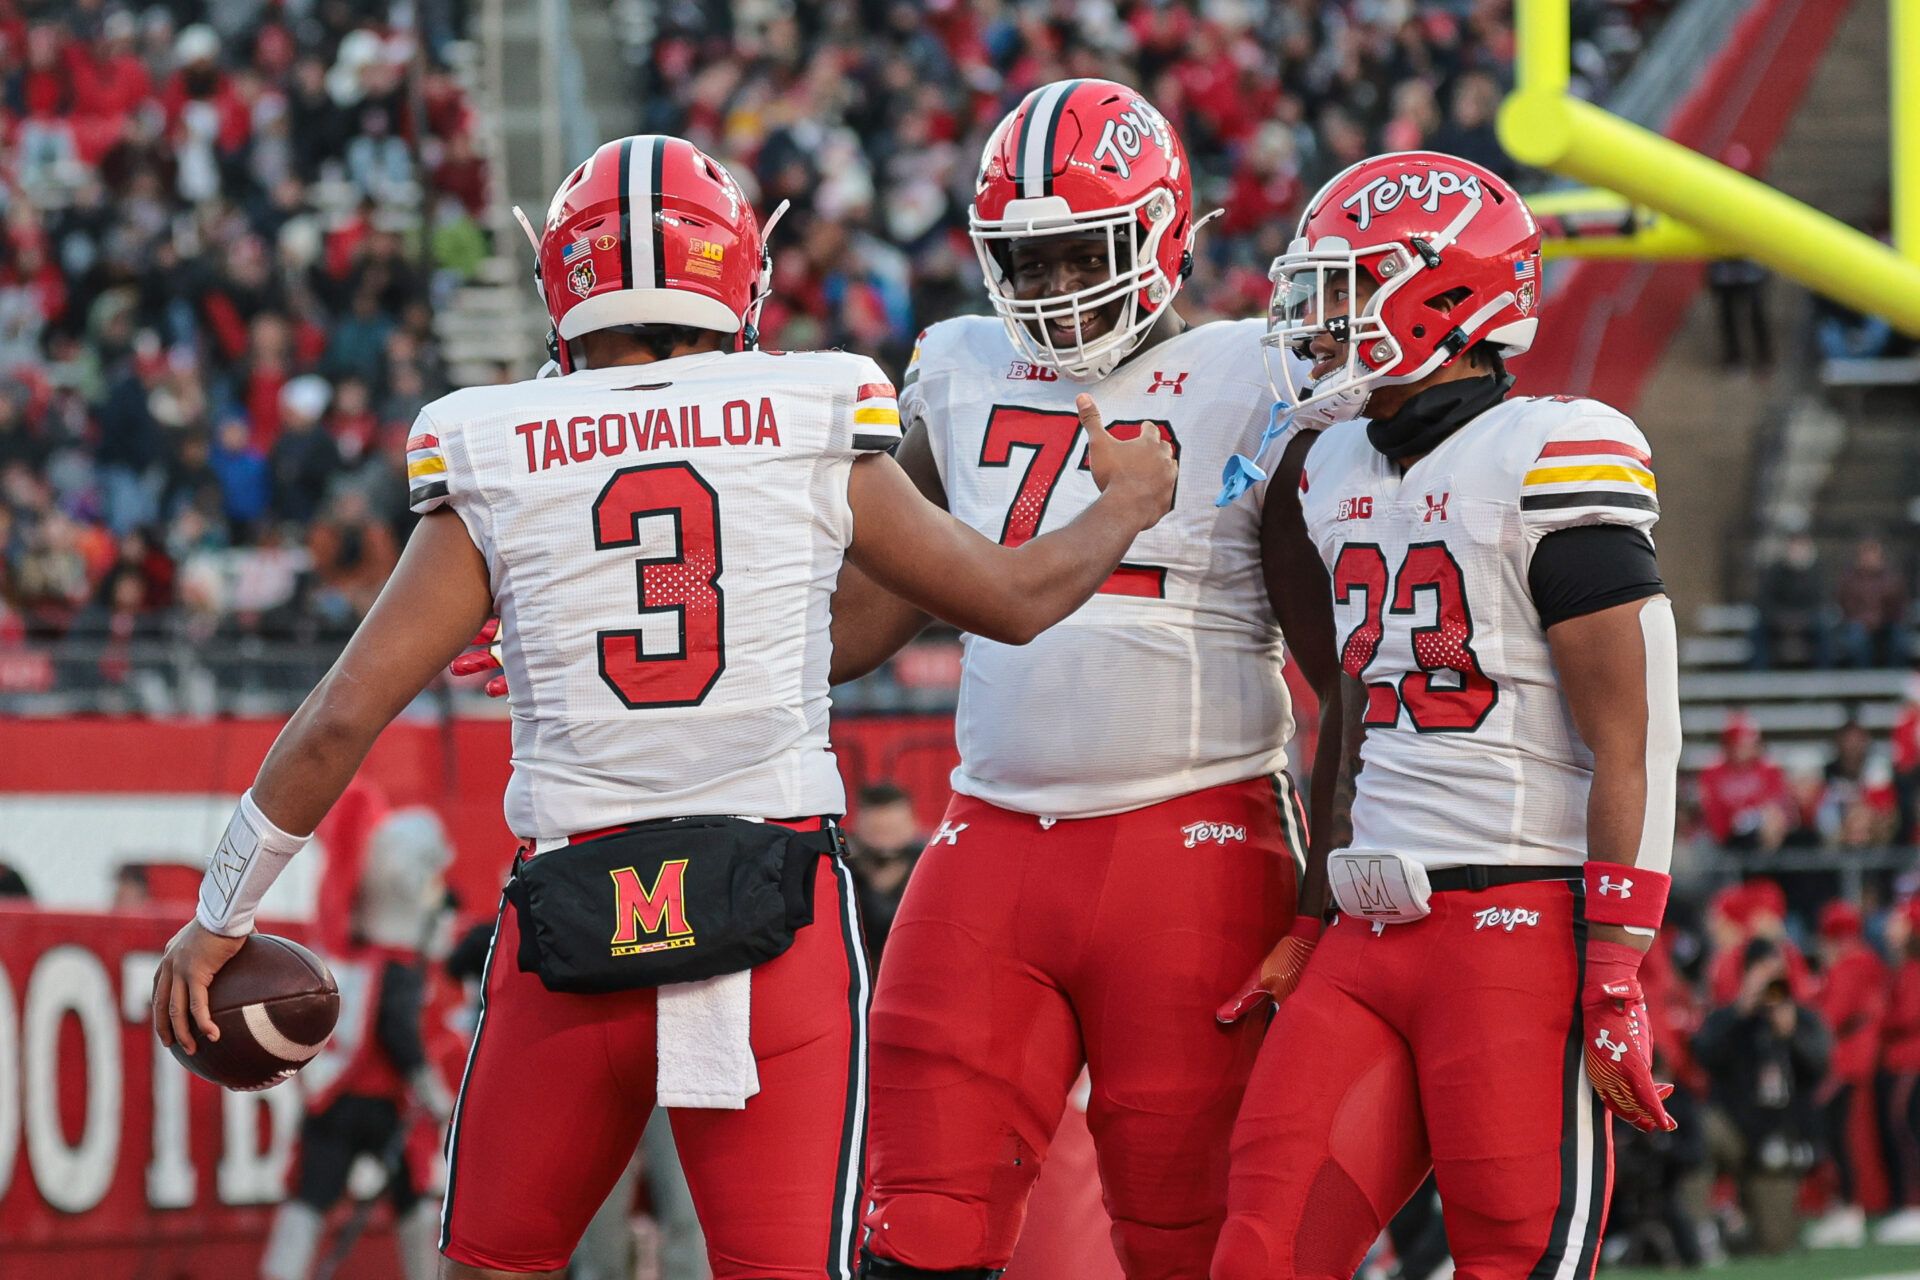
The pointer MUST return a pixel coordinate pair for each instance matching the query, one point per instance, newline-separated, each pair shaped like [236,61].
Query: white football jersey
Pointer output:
[1471,755]
[663,542]
[1166,682]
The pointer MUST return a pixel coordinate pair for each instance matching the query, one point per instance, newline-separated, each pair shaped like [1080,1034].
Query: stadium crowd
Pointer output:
[224,226]
[222,232]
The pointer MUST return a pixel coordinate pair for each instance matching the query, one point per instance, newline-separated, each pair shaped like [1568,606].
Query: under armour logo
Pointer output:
[1605,1043]
[949,832]
[1622,886]
[1436,508]
[1175,383]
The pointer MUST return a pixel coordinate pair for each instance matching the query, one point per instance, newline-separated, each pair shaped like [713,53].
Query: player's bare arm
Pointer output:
[1617,671]
[1617,675]
[430,608]
[1301,595]
[1299,589]
[929,559]
[870,623]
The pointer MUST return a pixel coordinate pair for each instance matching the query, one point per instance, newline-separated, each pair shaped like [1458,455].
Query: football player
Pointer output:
[1122,841]
[1475,1007]
[660,528]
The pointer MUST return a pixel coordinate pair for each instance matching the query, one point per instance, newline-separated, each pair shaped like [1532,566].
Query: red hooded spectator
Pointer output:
[1744,796]
[1737,915]
[1851,994]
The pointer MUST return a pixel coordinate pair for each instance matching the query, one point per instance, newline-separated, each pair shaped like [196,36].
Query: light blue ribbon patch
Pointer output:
[1241,472]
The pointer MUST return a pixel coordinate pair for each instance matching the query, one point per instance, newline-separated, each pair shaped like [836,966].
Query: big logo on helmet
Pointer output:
[1425,189]
[638,909]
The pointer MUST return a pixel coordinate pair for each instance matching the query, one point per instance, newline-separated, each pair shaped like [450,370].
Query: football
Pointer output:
[275,1004]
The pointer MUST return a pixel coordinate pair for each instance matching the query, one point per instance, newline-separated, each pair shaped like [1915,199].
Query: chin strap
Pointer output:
[1242,472]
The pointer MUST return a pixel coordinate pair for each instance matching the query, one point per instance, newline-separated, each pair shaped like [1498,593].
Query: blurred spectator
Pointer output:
[1900,1078]
[1792,628]
[130,887]
[1906,761]
[1873,605]
[1844,334]
[886,841]
[1851,999]
[1766,1056]
[1739,295]
[1857,804]
[1744,796]
[1738,915]
[305,457]
[12,887]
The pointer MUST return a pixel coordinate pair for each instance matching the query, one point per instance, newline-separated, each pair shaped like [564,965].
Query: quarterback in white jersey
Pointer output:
[1121,844]
[1511,710]
[661,527]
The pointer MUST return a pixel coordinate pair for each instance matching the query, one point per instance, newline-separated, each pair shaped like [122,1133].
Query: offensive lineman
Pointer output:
[660,528]
[1121,846]
[1475,1007]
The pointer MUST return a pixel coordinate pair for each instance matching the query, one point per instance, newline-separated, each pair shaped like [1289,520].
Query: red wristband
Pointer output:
[1625,895]
[1307,927]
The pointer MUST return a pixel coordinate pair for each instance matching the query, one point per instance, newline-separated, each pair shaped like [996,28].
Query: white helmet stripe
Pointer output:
[638,158]
[1036,138]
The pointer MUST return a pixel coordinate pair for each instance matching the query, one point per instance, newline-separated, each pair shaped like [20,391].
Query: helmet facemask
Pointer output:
[1135,279]
[1374,354]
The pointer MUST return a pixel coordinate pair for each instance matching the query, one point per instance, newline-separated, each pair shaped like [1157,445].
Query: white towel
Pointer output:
[705,1056]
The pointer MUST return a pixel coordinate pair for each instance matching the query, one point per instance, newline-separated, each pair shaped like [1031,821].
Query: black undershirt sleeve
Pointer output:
[1591,567]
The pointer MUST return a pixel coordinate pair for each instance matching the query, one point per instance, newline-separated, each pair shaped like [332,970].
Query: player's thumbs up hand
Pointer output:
[1139,470]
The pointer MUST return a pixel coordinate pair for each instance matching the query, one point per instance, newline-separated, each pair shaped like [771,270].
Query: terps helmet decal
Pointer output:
[581,278]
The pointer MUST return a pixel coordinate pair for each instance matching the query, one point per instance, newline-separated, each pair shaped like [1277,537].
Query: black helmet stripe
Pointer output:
[626,213]
[659,241]
[1037,135]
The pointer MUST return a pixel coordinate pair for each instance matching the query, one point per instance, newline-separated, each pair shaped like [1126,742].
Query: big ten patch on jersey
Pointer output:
[1014,457]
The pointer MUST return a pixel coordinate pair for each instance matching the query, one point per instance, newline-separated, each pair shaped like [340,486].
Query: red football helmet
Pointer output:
[1424,227]
[650,230]
[1080,157]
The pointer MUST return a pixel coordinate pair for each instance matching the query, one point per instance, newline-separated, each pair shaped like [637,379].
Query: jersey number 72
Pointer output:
[1052,435]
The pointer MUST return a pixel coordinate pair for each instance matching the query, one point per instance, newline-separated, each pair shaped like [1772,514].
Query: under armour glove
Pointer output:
[1619,1038]
[1277,975]
[484,655]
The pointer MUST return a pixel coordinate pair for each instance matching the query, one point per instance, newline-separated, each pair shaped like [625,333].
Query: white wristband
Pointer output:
[249,858]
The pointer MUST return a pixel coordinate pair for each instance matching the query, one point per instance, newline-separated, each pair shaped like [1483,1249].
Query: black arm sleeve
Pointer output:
[1591,567]
[403,997]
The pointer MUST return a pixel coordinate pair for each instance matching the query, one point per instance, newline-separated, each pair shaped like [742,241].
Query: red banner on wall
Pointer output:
[114,1162]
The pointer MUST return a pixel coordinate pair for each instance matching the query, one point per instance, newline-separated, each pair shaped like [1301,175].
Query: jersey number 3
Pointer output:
[683,581]
[1459,706]
[1051,436]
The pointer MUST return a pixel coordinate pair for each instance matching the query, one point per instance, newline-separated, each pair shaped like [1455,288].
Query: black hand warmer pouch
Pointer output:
[661,902]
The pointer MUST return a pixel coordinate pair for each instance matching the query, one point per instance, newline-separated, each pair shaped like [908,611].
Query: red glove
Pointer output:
[483,656]
[1619,1038]
[1278,974]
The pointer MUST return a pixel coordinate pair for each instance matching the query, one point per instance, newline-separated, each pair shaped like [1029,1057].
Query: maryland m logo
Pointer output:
[1370,887]
[638,909]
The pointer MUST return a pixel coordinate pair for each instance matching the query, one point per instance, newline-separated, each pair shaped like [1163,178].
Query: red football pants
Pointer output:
[1451,1043]
[560,1086]
[1025,948]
